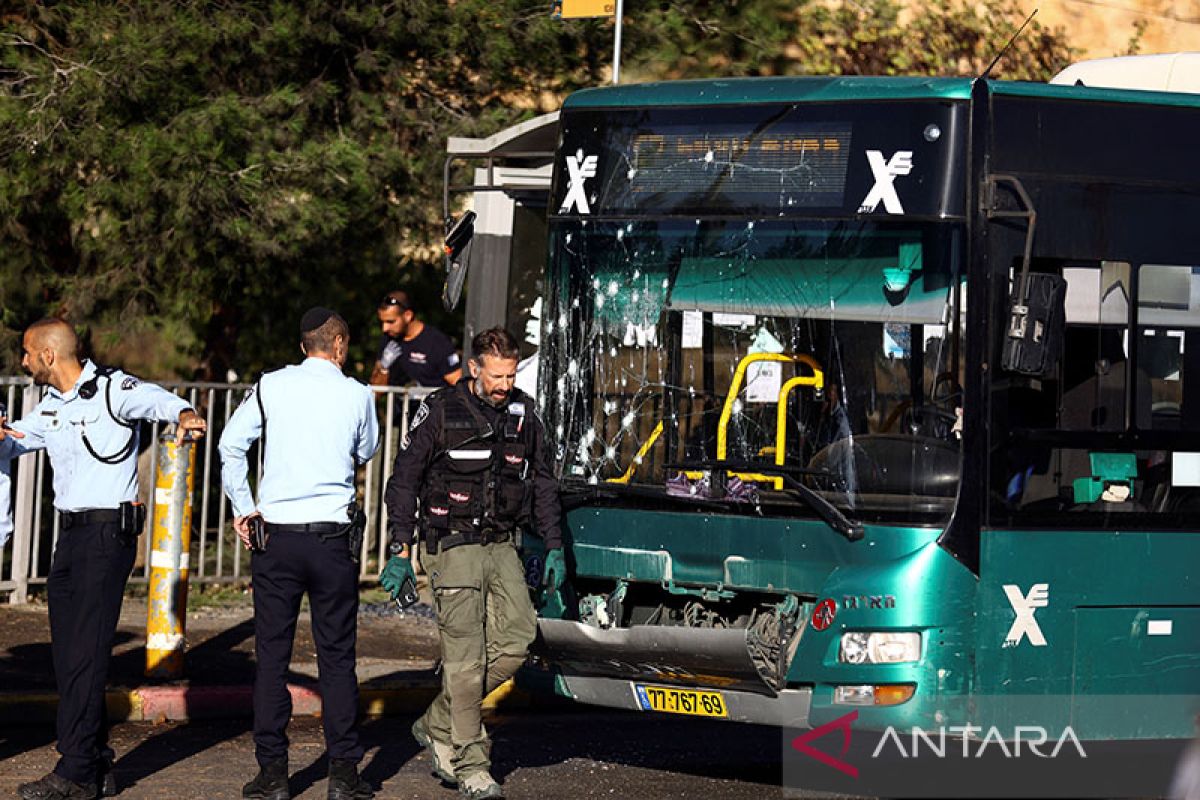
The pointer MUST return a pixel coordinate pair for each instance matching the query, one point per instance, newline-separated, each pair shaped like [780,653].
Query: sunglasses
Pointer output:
[388,301]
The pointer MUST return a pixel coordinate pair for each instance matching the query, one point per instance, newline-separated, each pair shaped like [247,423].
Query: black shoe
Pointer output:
[106,781]
[271,783]
[56,787]
[345,782]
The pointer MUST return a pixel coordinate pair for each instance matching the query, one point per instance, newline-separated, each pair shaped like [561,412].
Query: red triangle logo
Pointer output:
[842,723]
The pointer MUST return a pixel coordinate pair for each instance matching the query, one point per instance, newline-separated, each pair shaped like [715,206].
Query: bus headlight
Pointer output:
[867,647]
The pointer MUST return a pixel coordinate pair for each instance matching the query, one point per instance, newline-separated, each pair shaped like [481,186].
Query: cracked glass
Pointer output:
[824,350]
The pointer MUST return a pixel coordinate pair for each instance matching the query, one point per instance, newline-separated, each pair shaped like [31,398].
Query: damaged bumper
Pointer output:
[708,657]
[789,708]
[603,667]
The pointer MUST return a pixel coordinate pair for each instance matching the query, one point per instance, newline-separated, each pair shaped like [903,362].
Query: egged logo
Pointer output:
[1025,606]
[885,173]
[579,169]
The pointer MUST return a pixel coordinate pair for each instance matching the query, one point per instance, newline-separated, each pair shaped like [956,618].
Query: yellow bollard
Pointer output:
[170,537]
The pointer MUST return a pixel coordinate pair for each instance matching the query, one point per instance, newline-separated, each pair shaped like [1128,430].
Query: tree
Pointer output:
[181,180]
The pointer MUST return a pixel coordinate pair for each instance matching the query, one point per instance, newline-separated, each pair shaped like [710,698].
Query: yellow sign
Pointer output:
[573,9]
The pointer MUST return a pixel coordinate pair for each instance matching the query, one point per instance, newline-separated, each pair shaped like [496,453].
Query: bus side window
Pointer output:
[1094,380]
[1168,344]
[1094,375]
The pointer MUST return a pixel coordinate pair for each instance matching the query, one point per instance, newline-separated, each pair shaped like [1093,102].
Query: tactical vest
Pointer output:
[478,480]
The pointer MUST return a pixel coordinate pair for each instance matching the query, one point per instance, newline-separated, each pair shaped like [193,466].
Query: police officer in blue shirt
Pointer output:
[88,424]
[316,425]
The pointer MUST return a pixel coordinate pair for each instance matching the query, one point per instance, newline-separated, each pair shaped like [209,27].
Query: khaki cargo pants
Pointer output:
[486,622]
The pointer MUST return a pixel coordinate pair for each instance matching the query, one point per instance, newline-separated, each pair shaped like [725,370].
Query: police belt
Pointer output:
[91,516]
[453,538]
[326,530]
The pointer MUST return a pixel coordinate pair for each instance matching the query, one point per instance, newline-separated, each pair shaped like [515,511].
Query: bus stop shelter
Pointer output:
[507,178]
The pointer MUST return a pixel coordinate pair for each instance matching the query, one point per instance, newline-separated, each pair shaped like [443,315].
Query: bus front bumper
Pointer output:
[789,708]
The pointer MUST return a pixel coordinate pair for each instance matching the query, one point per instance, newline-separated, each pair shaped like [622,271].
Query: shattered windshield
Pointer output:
[826,352]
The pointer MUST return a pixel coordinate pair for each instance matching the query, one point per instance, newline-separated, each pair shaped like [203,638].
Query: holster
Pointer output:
[356,530]
[133,520]
[258,534]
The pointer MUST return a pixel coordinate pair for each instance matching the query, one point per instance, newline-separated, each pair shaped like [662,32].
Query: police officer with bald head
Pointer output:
[88,425]
[316,425]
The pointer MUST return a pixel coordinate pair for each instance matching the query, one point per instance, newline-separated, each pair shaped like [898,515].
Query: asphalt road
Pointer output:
[586,754]
[578,754]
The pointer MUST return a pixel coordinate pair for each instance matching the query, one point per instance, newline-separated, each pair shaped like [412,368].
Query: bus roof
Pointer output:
[734,91]
[737,91]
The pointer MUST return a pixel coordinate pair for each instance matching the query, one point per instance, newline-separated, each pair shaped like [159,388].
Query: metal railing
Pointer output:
[216,554]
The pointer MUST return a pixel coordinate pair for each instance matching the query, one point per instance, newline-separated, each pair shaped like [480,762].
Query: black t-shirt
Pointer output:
[425,359]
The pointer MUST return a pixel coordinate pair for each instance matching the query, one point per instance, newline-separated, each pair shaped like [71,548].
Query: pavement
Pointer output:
[191,738]
[538,754]
[397,656]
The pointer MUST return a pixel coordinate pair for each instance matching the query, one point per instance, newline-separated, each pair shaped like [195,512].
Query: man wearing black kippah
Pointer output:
[314,424]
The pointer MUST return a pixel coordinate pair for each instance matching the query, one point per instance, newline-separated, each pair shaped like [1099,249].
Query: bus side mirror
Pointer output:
[1034,340]
[458,237]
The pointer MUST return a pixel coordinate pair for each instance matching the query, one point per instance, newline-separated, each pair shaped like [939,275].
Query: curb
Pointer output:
[180,703]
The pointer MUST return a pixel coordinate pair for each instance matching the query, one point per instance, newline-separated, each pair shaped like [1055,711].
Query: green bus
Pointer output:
[877,395]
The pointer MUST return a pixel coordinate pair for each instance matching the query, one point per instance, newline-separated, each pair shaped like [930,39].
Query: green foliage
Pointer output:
[181,180]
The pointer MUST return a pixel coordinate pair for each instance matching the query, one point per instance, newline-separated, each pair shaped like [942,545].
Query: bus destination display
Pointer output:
[804,166]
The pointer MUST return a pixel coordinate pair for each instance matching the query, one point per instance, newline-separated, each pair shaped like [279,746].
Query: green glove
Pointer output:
[394,572]
[556,570]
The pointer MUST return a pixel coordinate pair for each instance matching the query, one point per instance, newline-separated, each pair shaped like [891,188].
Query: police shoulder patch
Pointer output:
[421,415]
[129,382]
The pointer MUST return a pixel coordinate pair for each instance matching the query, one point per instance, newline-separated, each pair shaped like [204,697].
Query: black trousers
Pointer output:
[295,563]
[85,588]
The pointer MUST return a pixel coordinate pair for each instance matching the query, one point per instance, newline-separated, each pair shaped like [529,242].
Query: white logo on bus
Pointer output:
[1026,606]
[579,169]
[885,173]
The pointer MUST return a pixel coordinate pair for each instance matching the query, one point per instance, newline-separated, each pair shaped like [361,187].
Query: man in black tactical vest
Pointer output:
[475,456]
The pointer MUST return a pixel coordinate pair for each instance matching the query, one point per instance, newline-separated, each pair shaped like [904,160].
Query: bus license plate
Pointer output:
[680,701]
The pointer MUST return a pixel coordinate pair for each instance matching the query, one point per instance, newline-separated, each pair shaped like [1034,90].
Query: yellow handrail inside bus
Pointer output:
[640,456]
[817,380]
[735,388]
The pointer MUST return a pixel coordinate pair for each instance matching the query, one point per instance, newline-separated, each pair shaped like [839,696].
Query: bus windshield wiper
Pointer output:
[827,511]
[574,494]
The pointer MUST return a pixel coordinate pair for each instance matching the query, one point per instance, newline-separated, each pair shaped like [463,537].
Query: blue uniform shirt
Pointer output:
[320,423]
[59,423]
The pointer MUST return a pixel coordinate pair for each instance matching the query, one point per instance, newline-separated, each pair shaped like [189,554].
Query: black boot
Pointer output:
[106,781]
[271,783]
[345,783]
[56,787]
